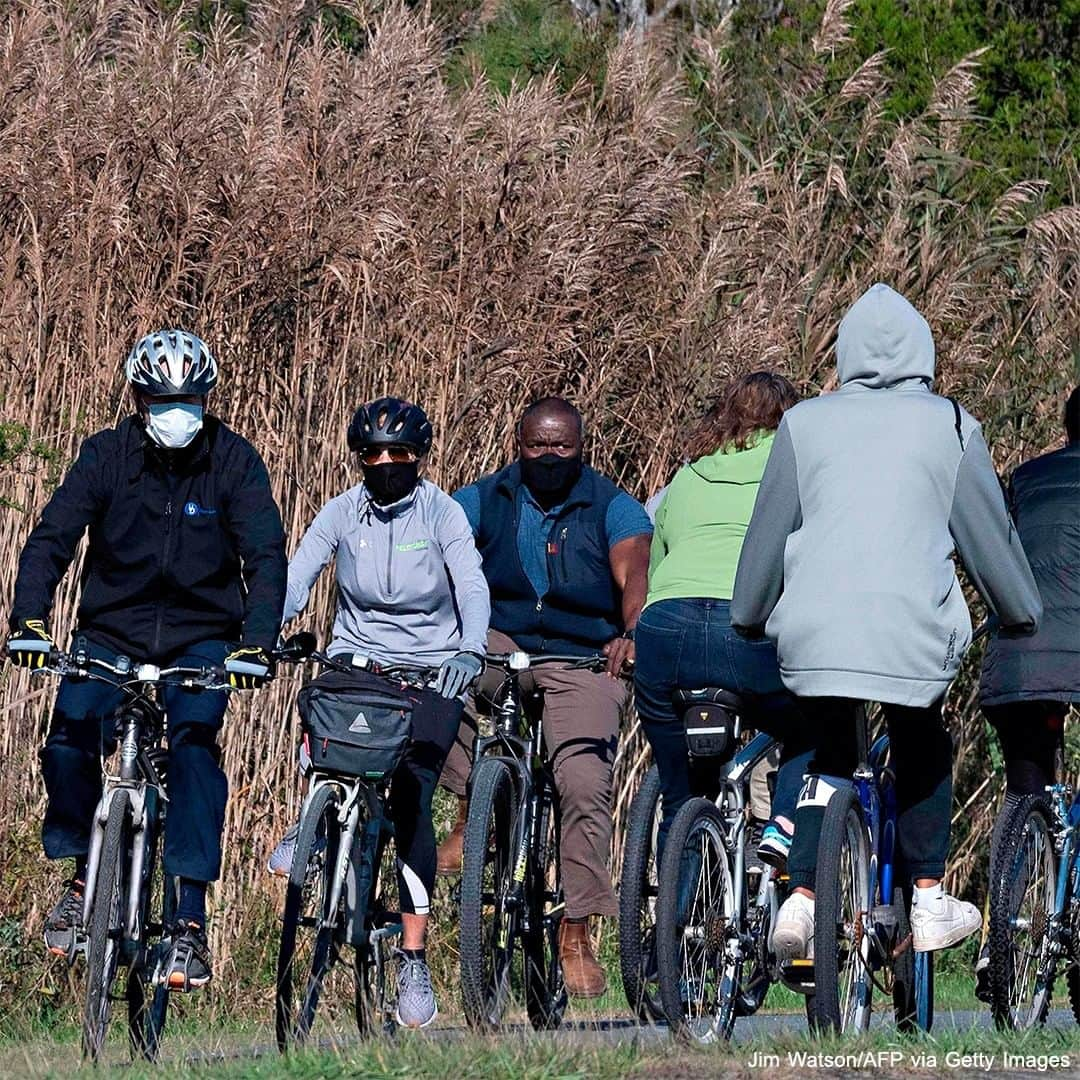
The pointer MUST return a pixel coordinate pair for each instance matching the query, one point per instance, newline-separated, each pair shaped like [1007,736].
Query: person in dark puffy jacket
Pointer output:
[1029,682]
[185,566]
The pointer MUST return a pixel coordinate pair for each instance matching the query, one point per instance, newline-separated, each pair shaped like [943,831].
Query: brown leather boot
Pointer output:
[582,972]
[449,853]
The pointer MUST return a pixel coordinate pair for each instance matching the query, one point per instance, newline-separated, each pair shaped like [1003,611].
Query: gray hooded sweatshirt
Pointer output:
[846,564]
[411,587]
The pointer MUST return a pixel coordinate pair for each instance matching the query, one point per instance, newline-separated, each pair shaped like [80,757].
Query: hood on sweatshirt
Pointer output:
[883,340]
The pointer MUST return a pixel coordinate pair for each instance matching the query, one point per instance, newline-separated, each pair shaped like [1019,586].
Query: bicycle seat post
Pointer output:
[862,739]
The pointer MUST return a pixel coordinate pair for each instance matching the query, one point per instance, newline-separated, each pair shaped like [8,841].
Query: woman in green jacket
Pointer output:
[684,637]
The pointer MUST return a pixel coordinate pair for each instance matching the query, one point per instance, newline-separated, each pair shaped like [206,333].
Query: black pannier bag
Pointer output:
[355,724]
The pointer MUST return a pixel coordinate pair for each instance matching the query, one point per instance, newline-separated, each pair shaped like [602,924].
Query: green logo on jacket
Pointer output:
[416,545]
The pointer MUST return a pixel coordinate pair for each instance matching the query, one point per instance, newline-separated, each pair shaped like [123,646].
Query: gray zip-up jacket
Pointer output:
[411,588]
[846,564]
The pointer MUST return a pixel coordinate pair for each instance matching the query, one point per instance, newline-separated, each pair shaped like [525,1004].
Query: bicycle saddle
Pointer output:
[716,695]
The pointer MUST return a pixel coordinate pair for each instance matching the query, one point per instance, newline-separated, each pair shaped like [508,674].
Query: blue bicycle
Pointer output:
[1035,908]
[862,929]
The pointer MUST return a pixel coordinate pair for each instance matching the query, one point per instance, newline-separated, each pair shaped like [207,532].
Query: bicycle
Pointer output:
[129,900]
[862,928]
[1035,908]
[338,892]
[713,919]
[511,887]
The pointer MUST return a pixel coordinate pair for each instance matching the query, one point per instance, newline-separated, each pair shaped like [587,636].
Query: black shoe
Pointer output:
[65,920]
[187,962]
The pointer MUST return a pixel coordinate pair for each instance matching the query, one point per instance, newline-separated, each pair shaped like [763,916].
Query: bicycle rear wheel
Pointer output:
[148,1002]
[695,916]
[106,925]
[489,923]
[545,990]
[310,932]
[637,903]
[1021,902]
[842,984]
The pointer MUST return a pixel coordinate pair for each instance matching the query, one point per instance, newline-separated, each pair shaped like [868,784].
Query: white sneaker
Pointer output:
[793,935]
[941,922]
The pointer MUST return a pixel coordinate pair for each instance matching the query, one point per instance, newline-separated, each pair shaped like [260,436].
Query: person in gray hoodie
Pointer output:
[847,567]
[411,591]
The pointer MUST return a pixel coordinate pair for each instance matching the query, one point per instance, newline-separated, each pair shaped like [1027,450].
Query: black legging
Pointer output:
[435,723]
[921,757]
[1031,733]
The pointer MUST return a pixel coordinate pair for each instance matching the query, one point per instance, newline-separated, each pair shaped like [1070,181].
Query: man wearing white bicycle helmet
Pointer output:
[185,565]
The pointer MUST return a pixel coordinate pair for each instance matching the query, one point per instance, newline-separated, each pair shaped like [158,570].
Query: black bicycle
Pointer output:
[129,901]
[511,881]
[342,882]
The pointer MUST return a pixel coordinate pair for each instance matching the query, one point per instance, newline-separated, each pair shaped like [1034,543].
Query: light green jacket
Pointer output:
[701,523]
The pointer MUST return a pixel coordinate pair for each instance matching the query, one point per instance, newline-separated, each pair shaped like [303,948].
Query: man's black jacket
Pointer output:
[185,546]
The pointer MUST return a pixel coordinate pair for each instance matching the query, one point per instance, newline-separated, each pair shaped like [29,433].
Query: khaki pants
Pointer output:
[581,729]
[760,796]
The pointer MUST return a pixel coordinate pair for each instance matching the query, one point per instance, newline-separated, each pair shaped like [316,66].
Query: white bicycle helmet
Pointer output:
[170,362]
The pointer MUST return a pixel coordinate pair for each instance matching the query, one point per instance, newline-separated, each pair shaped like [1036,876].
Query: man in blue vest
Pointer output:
[566,557]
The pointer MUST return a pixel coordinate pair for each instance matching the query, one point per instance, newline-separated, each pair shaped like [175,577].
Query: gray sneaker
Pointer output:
[65,919]
[281,859]
[416,1006]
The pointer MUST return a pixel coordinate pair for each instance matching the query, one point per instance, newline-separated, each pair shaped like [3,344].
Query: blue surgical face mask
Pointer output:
[172,425]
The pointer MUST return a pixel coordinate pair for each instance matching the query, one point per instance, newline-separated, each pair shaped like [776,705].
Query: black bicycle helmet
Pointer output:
[390,422]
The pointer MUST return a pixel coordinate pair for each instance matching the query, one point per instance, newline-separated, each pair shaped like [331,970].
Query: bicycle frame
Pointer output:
[522,752]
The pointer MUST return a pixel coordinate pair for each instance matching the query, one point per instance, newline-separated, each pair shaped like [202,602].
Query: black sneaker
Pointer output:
[65,920]
[187,962]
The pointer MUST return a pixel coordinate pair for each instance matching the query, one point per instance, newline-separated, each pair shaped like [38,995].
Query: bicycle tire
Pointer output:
[691,936]
[1030,819]
[307,890]
[105,928]
[844,847]
[372,960]
[637,904]
[148,1002]
[487,944]
[545,988]
[905,991]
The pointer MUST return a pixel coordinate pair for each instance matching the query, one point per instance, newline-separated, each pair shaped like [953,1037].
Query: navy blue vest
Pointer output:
[583,608]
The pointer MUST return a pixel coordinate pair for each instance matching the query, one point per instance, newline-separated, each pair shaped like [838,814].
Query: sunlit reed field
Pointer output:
[340,223]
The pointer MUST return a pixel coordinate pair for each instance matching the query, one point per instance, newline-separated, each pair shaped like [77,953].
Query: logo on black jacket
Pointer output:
[193,509]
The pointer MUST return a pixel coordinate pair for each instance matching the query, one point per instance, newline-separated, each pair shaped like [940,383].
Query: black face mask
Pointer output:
[550,477]
[389,482]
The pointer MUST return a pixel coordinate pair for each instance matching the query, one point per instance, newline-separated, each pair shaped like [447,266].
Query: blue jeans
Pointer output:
[684,644]
[82,724]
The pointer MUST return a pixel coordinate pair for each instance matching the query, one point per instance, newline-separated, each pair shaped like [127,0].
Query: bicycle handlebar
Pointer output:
[372,667]
[517,662]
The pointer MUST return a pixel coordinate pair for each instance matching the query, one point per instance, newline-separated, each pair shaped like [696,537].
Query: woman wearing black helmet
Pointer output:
[410,591]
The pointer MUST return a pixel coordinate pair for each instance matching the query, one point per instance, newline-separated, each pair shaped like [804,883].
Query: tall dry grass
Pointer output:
[340,225]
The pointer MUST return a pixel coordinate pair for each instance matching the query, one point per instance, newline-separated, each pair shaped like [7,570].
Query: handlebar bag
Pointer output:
[355,724]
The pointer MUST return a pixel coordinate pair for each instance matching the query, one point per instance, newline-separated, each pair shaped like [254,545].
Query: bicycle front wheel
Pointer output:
[545,990]
[106,925]
[637,903]
[842,983]
[1021,903]
[310,931]
[489,920]
[147,999]
[695,917]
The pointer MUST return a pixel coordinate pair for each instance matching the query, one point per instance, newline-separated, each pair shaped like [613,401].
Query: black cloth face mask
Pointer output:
[390,482]
[550,477]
